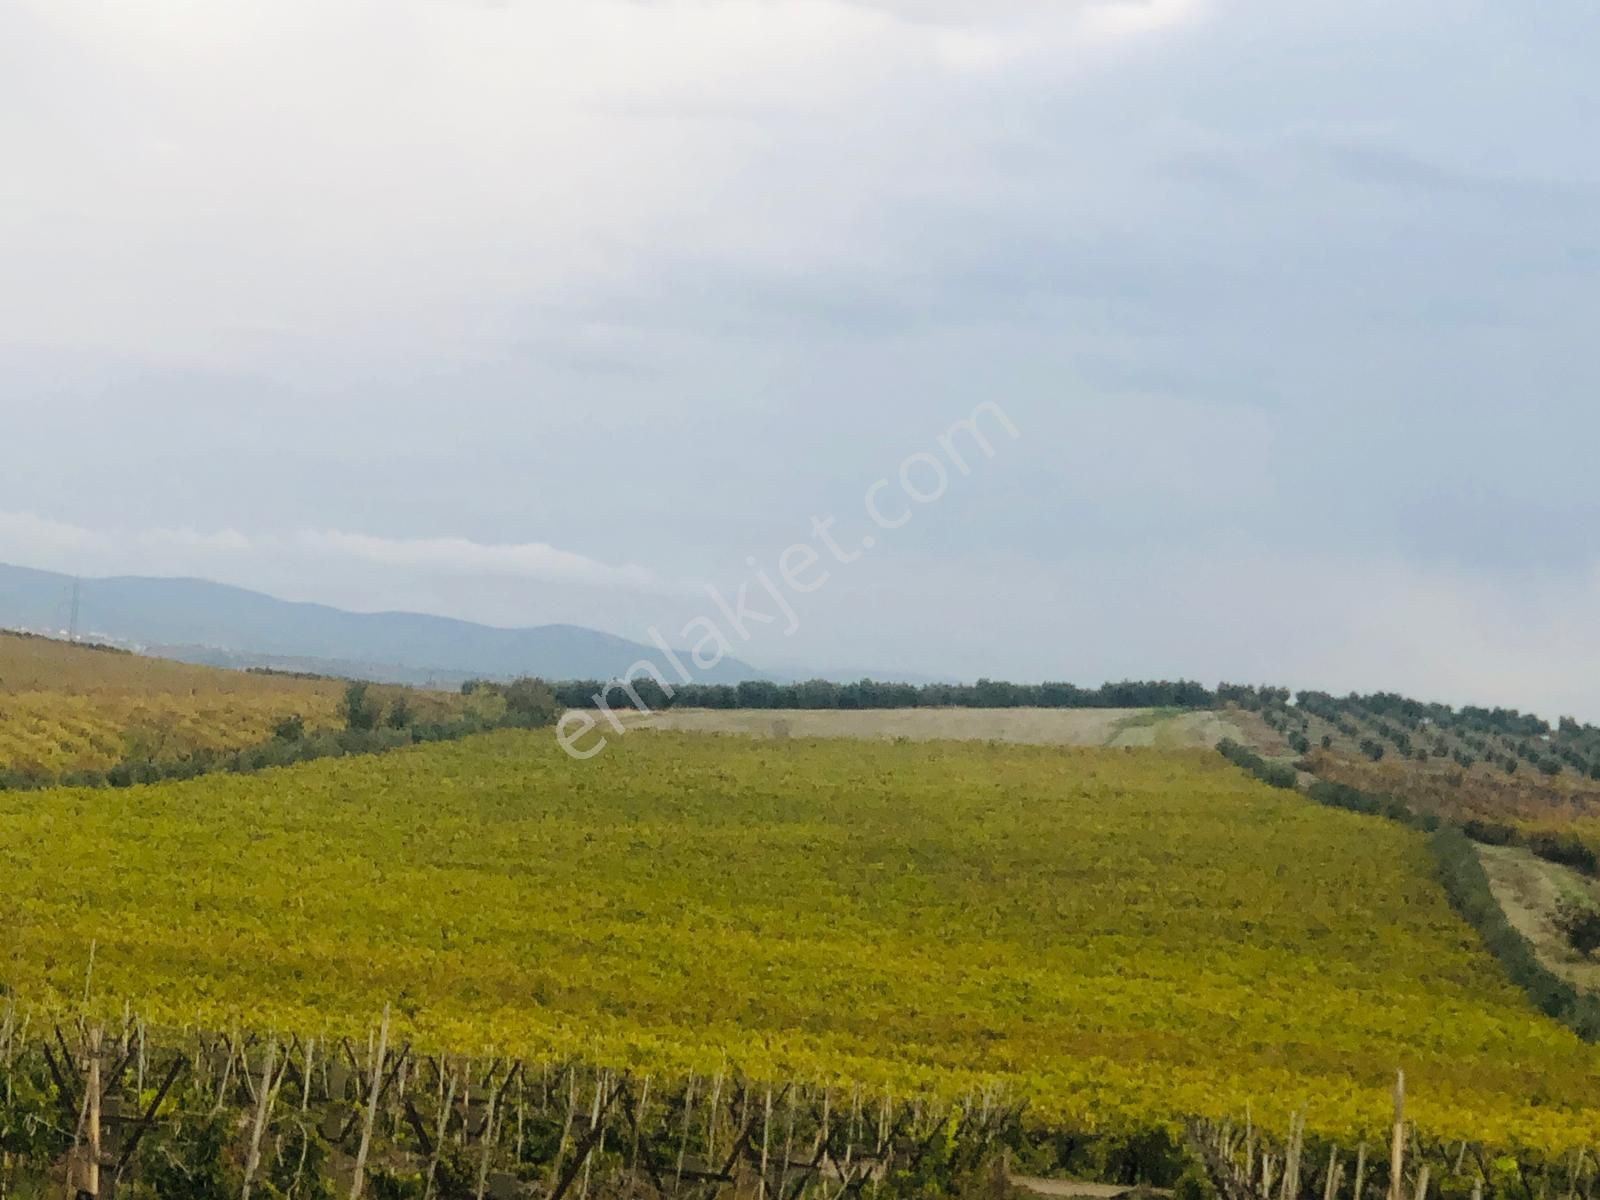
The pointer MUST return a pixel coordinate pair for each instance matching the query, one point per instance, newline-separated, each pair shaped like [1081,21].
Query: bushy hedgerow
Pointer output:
[1565,848]
[1467,884]
[1276,775]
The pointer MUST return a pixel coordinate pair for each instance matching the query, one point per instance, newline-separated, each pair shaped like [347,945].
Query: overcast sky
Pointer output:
[528,312]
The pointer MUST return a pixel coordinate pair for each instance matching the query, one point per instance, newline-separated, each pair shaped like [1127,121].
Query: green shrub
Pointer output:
[290,729]
[1580,924]
[361,713]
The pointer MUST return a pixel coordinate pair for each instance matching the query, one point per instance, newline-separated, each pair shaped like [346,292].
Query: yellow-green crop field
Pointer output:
[66,707]
[1125,937]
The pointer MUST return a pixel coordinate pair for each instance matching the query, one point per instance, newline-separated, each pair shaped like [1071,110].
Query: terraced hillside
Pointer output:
[1123,937]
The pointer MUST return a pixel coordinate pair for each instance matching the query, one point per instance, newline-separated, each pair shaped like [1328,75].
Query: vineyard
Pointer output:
[68,708]
[1120,940]
[114,1111]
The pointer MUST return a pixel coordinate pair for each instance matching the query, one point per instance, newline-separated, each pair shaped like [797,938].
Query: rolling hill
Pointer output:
[197,621]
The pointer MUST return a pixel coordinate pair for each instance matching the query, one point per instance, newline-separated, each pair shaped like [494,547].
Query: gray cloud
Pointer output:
[1293,304]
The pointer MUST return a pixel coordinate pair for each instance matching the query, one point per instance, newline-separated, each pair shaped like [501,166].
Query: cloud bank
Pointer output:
[58,545]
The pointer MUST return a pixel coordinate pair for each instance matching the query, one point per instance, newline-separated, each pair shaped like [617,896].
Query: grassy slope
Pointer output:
[1530,890]
[1127,936]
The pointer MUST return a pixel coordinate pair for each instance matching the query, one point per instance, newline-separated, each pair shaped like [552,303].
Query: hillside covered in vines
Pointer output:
[1124,938]
[75,709]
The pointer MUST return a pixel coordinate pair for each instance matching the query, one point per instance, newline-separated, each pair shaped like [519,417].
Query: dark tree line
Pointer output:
[872,694]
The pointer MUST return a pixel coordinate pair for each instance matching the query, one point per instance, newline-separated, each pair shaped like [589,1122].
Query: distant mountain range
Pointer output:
[197,621]
[194,620]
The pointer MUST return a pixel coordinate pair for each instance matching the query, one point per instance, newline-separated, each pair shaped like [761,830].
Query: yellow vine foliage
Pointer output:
[68,708]
[1125,938]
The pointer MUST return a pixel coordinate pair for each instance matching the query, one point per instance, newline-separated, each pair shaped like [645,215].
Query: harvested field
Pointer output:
[1114,727]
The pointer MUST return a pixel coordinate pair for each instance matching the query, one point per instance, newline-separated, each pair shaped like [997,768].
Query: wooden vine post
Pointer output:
[258,1125]
[1397,1151]
[90,1184]
[360,1178]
